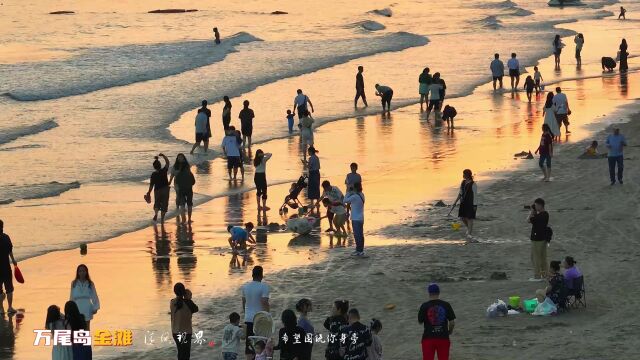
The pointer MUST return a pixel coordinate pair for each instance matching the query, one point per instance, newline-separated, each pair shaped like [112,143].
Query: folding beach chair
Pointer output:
[577,296]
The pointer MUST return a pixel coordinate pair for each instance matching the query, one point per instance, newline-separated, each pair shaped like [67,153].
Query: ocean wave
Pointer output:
[100,68]
[370,25]
[11,193]
[11,134]
[489,22]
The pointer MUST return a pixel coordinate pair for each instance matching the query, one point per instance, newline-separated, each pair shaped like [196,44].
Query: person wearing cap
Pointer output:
[439,320]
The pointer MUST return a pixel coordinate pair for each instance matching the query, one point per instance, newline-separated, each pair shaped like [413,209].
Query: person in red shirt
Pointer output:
[546,151]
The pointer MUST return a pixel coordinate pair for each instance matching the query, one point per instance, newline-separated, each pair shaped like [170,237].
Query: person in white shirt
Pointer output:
[561,103]
[334,195]
[301,102]
[202,134]
[255,298]
[260,178]
[356,199]
[232,152]
[514,71]
[232,334]
[435,92]
[497,70]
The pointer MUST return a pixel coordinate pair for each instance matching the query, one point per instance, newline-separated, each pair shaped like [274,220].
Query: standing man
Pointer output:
[514,71]
[439,320]
[6,277]
[334,195]
[562,109]
[360,88]
[300,103]
[246,123]
[232,152]
[616,143]
[255,298]
[386,94]
[201,131]
[497,70]
[355,199]
[540,237]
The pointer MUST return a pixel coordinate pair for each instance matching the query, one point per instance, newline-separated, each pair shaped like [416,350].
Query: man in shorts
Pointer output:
[514,71]
[202,133]
[6,277]
[232,152]
[255,298]
[497,70]
[246,123]
[301,102]
[562,109]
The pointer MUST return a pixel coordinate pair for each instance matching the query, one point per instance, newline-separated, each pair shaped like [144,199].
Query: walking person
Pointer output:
[313,183]
[160,186]
[434,95]
[546,152]
[246,123]
[306,133]
[386,94]
[84,294]
[356,200]
[623,13]
[497,70]
[624,55]
[75,321]
[202,134]
[302,102]
[549,113]
[563,111]
[557,50]
[6,275]
[439,321]
[232,152]
[540,237]
[183,181]
[260,178]
[468,197]
[425,80]
[616,143]
[360,88]
[537,77]
[255,298]
[182,309]
[53,323]
[226,113]
[529,86]
[579,41]
[514,71]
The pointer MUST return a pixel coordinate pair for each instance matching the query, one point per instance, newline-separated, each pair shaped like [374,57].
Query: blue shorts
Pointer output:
[544,158]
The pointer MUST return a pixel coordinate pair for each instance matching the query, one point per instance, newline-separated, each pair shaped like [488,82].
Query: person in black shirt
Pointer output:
[207,111]
[160,186]
[439,320]
[556,283]
[336,323]
[291,339]
[246,123]
[539,220]
[6,277]
[360,88]
[355,338]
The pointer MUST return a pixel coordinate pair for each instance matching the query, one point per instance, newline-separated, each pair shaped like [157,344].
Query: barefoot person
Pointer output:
[557,50]
[226,113]
[356,200]
[160,186]
[497,70]
[216,35]
[624,55]
[240,237]
[448,114]
[202,134]
[468,197]
[184,181]
[313,184]
[386,94]
[246,123]
[182,309]
[549,113]
[360,88]
[562,109]
[435,90]
[579,41]
[623,13]
[616,143]
[439,320]
[84,294]
[514,71]
[546,152]
[306,133]
[255,298]
[6,276]
[302,102]
[424,80]
[260,178]
[539,219]
[335,196]
[232,152]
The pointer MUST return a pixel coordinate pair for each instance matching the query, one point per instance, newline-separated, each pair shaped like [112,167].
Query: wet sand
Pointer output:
[405,161]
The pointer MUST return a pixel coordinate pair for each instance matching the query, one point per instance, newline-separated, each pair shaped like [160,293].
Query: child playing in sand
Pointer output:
[233,333]
[339,215]
[375,350]
[592,150]
[529,86]
[240,237]
[290,117]
[448,114]
[537,77]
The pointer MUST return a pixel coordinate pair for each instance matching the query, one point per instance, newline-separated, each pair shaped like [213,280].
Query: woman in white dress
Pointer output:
[549,113]
[84,294]
[306,132]
[55,321]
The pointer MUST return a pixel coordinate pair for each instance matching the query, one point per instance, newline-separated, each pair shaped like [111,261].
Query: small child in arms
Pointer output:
[290,117]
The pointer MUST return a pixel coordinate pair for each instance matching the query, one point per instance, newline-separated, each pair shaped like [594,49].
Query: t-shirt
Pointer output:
[570,274]
[434,90]
[357,205]
[513,64]
[425,79]
[306,325]
[207,112]
[435,315]
[6,247]
[301,100]
[246,118]
[230,145]
[314,163]
[539,223]
[545,144]
[253,292]
[334,194]
[262,167]
[335,325]
[616,144]
[383,89]
[359,81]
[159,178]
[537,75]
[231,339]
[497,68]
[561,103]
[358,338]
[352,178]
[291,343]
[201,123]
[238,234]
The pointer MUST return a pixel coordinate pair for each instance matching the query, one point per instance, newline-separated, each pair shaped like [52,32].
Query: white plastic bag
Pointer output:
[498,308]
[545,308]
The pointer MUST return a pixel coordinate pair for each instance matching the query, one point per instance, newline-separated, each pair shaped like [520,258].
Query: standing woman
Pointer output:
[579,40]
[160,186]
[623,55]
[260,178]
[313,185]
[549,113]
[84,294]
[55,321]
[226,113]
[184,181]
[306,132]
[182,310]
[75,321]
[424,80]
[468,197]
[557,49]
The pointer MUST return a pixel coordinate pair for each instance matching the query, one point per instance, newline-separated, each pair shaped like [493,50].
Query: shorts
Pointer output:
[247,131]
[514,72]
[562,118]
[248,348]
[184,197]
[161,199]
[229,356]
[558,52]
[537,83]
[233,162]
[497,78]
[6,280]
[260,179]
[543,158]
[201,137]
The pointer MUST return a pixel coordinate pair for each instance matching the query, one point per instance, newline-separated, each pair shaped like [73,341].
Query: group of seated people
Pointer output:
[562,285]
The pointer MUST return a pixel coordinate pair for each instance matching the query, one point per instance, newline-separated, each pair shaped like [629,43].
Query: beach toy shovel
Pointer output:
[18,275]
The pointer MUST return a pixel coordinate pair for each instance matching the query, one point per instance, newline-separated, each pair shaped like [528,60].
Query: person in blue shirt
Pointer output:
[616,143]
[240,237]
